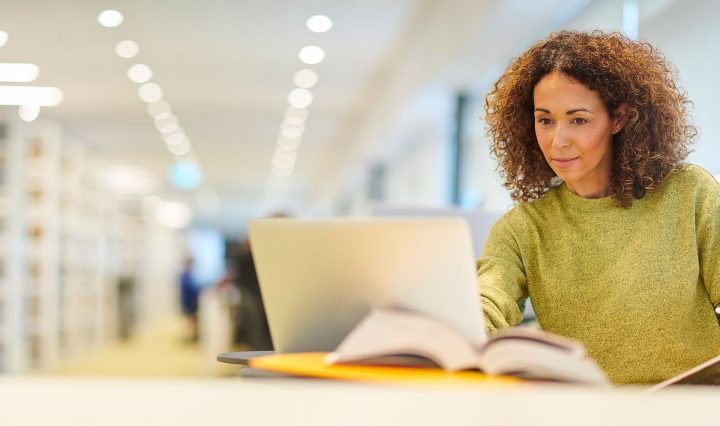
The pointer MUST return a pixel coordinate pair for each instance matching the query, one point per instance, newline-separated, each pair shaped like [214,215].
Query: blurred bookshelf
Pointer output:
[57,282]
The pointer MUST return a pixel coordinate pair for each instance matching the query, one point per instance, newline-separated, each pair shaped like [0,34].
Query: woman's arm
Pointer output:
[501,278]
[707,216]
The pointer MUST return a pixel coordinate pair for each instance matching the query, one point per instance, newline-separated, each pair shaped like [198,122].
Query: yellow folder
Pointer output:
[312,364]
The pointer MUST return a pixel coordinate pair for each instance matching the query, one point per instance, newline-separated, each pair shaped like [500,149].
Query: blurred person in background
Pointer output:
[251,326]
[614,238]
[189,299]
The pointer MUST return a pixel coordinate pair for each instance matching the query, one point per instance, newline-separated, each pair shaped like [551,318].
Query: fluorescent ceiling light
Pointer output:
[127,49]
[18,73]
[311,55]
[28,112]
[3,38]
[110,18]
[30,95]
[140,73]
[319,23]
[300,98]
[305,78]
[150,92]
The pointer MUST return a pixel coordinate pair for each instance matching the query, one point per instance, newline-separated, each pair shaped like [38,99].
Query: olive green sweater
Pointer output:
[636,286]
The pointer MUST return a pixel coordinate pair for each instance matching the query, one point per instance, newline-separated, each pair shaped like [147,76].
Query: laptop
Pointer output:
[319,278]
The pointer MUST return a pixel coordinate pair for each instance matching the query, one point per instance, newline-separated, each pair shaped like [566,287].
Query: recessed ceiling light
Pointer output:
[159,109]
[30,95]
[289,143]
[3,38]
[167,124]
[18,73]
[300,98]
[29,112]
[319,23]
[291,131]
[110,18]
[127,49]
[298,113]
[305,78]
[311,55]
[140,73]
[175,138]
[150,92]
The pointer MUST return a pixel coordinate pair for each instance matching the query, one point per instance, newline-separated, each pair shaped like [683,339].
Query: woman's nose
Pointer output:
[561,137]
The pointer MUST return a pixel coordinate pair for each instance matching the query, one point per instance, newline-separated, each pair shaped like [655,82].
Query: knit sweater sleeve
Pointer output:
[707,224]
[501,278]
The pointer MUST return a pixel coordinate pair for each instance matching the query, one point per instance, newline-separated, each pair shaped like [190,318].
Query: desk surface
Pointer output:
[68,401]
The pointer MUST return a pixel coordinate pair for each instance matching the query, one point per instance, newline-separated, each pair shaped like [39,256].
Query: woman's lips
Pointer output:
[564,163]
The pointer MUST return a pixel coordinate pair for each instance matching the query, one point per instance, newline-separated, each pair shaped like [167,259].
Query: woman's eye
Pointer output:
[544,121]
[579,120]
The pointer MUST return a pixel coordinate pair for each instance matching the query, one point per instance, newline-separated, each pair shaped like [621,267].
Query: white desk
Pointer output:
[78,402]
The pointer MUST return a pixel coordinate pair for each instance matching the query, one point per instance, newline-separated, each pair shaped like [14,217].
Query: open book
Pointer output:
[397,337]
[707,373]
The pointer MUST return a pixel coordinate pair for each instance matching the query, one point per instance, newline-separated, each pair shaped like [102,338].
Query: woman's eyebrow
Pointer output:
[573,111]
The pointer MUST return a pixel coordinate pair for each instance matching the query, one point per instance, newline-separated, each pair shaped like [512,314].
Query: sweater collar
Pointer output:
[579,203]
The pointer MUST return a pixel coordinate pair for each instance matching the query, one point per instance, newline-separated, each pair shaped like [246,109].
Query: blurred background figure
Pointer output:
[189,296]
[251,327]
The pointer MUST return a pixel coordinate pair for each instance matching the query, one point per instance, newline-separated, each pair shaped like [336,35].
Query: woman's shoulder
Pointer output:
[692,177]
[527,212]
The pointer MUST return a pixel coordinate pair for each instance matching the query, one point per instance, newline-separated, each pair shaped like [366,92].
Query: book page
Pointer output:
[386,332]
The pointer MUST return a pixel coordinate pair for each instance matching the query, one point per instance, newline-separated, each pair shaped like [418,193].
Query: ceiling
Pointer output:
[226,68]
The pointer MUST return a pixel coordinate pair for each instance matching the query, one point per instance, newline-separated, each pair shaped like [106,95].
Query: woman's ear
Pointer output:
[619,118]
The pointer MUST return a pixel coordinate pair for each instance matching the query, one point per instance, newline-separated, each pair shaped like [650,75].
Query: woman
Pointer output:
[614,240]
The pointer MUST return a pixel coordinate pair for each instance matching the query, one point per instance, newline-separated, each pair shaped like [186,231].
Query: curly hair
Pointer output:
[653,143]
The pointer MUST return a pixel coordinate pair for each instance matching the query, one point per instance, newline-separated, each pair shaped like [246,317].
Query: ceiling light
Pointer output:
[140,73]
[18,73]
[127,179]
[180,148]
[289,143]
[319,23]
[300,98]
[159,109]
[167,119]
[3,38]
[283,162]
[175,138]
[28,112]
[173,214]
[305,78]
[311,55]
[291,131]
[294,121]
[127,49]
[281,173]
[30,95]
[110,18]
[298,113]
[168,128]
[150,92]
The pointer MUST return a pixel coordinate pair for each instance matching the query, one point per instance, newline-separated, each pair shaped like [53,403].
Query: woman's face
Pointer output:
[574,131]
